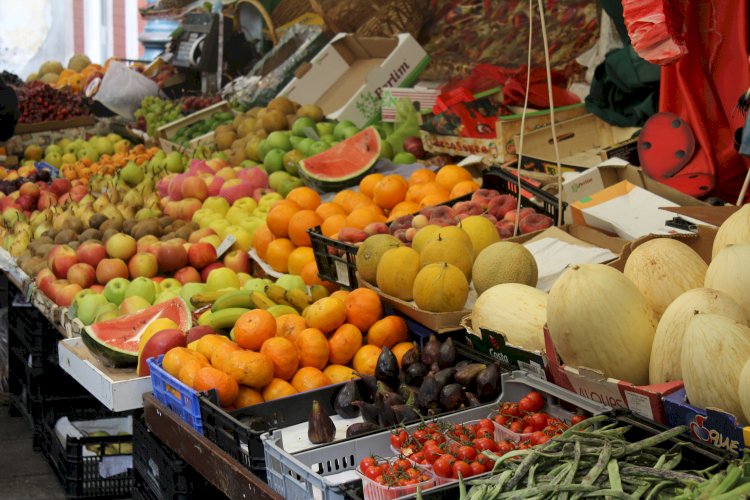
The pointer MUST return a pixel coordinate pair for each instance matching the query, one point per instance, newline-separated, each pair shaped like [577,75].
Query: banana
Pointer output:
[318,292]
[239,298]
[261,300]
[204,318]
[298,299]
[276,293]
[203,299]
[226,318]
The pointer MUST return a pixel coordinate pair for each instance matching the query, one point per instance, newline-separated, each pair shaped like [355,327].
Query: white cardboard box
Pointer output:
[117,389]
[346,79]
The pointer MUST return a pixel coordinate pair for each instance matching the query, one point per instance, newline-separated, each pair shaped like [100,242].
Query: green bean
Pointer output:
[609,493]
[654,440]
[735,493]
[532,470]
[522,470]
[594,473]
[613,470]
[656,489]
[537,490]
[671,475]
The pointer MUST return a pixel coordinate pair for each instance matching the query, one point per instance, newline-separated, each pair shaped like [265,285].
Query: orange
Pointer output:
[421,176]
[310,276]
[400,349]
[333,224]
[389,191]
[416,192]
[313,348]
[253,369]
[360,217]
[450,175]
[288,326]
[365,359]
[300,223]
[277,254]
[367,185]
[209,378]
[305,197]
[297,260]
[278,389]
[463,188]
[433,199]
[253,328]
[325,314]
[405,207]
[363,308]
[208,343]
[247,396]
[329,209]
[340,294]
[284,356]
[344,344]
[261,239]
[309,378]
[388,331]
[188,371]
[279,216]
[178,356]
[339,373]
[220,356]
[342,199]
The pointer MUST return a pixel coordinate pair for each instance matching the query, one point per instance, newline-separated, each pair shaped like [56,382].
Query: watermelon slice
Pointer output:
[345,164]
[116,341]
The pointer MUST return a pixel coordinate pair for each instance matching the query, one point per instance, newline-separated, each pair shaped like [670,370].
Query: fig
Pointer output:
[386,416]
[429,392]
[447,354]
[452,397]
[371,382]
[386,394]
[344,399]
[463,363]
[430,351]
[409,358]
[408,392]
[472,399]
[320,428]
[445,376]
[386,369]
[466,375]
[368,411]
[488,383]
[415,374]
[361,428]
[404,413]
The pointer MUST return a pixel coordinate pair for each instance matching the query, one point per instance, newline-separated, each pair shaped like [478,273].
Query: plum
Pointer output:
[376,228]
[483,196]
[403,222]
[505,229]
[490,218]
[501,205]
[352,235]
[522,214]
[443,222]
[438,212]
[401,235]
[468,207]
[535,222]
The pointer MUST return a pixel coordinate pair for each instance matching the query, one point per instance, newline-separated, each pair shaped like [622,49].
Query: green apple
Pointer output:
[246,204]
[256,284]
[263,149]
[54,159]
[274,160]
[134,304]
[53,148]
[174,163]
[166,295]
[252,224]
[404,159]
[276,179]
[318,147]
[80,295]
[279,140]
[325,128]
[170,284]
[115,290]
[216,204]
[289,184]
[141,287]
[300,124]
[338,129]
[190,289]
[291,281]
[304,146]
[89,306]
[236,215]
[222,278]
[220,227]
[268,200]
[105,312]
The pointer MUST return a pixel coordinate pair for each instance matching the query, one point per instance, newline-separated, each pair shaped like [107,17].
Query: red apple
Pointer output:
[188,274]
[78,192]
[235,189]
[60,186]
[237,260]
[172,256]
[55,287]
[187,208]
[64,297]
[158,279]
[60,259]
[29,189]
[96,288]
[207,270]
[109,269]
[194,187]
[44,279]
[26,202]
[214,185]
[143,264]
[121,246]
[82,274]
[47,199]
[201,254]
[91,252]
[197,332]
[175,187]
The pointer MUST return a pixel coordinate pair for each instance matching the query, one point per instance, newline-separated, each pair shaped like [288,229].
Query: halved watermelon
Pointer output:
[345,164]
[116,341]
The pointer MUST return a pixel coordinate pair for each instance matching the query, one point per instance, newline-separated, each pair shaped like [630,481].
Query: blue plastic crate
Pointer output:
[187,405]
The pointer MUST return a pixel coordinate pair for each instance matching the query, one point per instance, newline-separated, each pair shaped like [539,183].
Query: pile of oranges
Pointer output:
[269,358]
[381,198]
[84,168]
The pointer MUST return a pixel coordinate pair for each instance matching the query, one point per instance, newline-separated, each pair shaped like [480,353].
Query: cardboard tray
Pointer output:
[166,132]
[31,128]
[702,242]
[118,389]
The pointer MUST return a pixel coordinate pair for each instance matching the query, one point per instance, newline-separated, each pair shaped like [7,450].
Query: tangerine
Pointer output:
[340,294]
[367,184]
[221,354]
[329,209]
[253,328]
[402,348]
[365,359]
[309,378]
[433,199]
[208,343]
[288,326]
[333,224]
[325,314]
[305,197]
[250,368]
[388,332]
[178,356]
[405,207]
[390,191]
[300,223]
[463,188]
[261,239]
[284,356]
[277,254]
[247,396]
[340,373]
[342,199]
[313,348]
[299,257]
[344,344]
[421,176]
[279,216]
[188,371]
[363,308]
[276,389]
[209,378]
[450,175]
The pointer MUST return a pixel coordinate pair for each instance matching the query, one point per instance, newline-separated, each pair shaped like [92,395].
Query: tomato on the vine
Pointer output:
[477,468]
[444,466]
[483,443]
[536,400]
[372,472]
[577,419]
[466,453]
[538,421]
[461,468]
[366,462]
[399,438]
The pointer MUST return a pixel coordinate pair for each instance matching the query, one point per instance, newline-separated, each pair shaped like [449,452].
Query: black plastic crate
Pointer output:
[79,473]
[336,260]
[161,473]
[238,432]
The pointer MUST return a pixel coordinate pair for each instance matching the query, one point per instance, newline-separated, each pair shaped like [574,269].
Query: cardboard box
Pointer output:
[581,142]
[118,389]
[168,131]
[423,97]
[645,401]
[711,426]
[30,128]
[36,134]
[501,148]
[346,79]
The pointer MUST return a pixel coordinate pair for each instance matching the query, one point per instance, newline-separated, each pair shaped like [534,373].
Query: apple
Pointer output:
[82,274]
[194,187]
[121,246]
[214,240]
[252,224]
[175,187]
[60,259]
[227,173]
[188,274]
[106,312]
[234,189]
[141,287]
[269,200]
[195,236]
[115,290]
[197,332]
[214,184]
[143,264]
[207,270]
[243,239]
[190,289]
[238,261]
[201,254]
[77,193]
[133,304]
[166,295]
[64,297]
[291,281]
[256,284]
[145,241]
[47,199]
[109,269]
[244,278]
[199,167]
[170,284]
[221,278]
[247,205]
[88,307]
[96,288]
[187,208]
[172,256]
[216,164]
[256,176]
[220,227]
[91,253]
[260,193]
[55,287]
[60,186]
[29,189]
[43,280]
[216,204]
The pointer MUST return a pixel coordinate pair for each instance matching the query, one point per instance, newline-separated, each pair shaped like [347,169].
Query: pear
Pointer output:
[133,199]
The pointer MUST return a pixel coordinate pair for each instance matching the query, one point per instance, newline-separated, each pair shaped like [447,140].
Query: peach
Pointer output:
[534,222]
[522,214]
[194,187]
[484,196]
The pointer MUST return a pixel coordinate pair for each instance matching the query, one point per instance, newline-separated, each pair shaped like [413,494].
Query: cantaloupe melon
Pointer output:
[504,262]
[370,252]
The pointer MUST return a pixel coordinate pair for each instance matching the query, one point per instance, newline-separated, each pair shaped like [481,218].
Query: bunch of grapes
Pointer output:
[191,104]
[38,102]
[155,112]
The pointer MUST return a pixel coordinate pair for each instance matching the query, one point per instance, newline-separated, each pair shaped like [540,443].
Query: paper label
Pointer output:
[533,368]
[225,245]
[639,404]
[343,273]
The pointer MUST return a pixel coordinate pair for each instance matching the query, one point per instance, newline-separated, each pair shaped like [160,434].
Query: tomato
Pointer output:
[483,433]
[484,443]
[466,453]
[372,472]
[365,463]
[543,439]
[381,479]
[429,442]
[536,437]
[516,427]
[536,400]
[403,464]
[486,424]
[504,447]
[420,435]
[577,419]
[512,410]
[418,457]
[453,448]
[502,420]
[399,438]
[385,467]
[439,438]
[461,469]
[432,453]
[525,405]
[477,468]
[443,466]
[538,421]
[528,429]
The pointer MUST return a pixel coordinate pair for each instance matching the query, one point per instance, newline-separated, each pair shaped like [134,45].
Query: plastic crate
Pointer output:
[375,491]
[80,472]
[340,266]
[239,432]
[180,398]
[161,474]
[307,474]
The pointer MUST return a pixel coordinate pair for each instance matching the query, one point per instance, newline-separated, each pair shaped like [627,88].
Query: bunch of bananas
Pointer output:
[228,306]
